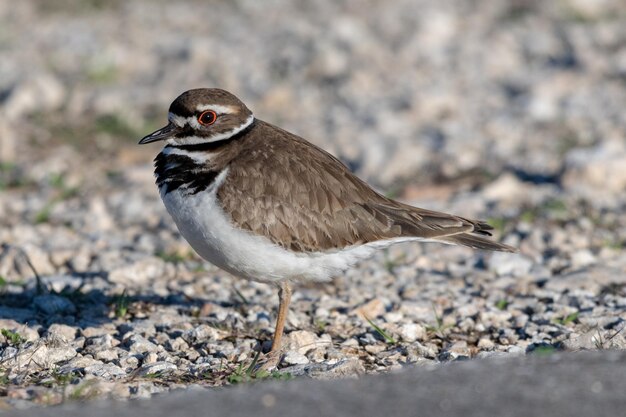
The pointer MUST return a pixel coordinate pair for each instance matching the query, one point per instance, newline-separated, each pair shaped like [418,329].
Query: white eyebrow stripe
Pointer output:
[181,121]
[195,140]
[192,121]
[217,108]
[177,120]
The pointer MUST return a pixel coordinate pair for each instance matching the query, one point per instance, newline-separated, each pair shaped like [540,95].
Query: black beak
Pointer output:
[161,134]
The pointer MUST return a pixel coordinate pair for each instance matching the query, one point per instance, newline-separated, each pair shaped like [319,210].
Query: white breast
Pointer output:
[206,227]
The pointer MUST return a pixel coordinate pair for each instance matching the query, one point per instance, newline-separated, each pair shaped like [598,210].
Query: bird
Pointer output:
[266,205]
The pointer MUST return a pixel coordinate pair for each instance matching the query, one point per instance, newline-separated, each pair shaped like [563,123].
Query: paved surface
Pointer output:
[575,384]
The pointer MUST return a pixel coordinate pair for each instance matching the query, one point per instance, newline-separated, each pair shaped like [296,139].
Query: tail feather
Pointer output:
[433,225]
[480,227]
[476,242]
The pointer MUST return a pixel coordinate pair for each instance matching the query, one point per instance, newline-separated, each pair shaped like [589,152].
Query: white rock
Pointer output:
[9,324]
[203,333]
[495,318]
[42,354]
[140,272]
[40,93]
[105,370]
[62,331]
[107,355]
[293,357]
[544,105]
[597,171]
[486,343]
[515,350]
[371,309]
[151,357]
[39,258]
[129,362]
[582,258]
[510,264]
[411,332]
[139,344]
[156,368]
[177,345]
[81,259]
[460,347]
[78,363]
[467,310]
[345,368]
[92,331]
[302,341]
[28,333]
[508,189]
[101,215]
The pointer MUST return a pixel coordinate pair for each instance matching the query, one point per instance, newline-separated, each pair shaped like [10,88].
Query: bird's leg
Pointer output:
[284,297]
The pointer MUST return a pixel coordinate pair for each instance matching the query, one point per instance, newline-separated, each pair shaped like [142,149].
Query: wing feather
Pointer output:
[304,199]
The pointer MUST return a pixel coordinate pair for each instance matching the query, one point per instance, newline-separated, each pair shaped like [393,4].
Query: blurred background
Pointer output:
[523,97]
[508,110]
[516,106]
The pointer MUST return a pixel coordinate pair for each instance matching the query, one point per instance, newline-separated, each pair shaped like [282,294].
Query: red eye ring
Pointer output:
[207,118]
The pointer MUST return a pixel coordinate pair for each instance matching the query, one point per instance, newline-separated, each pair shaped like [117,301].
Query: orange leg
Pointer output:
[284,297]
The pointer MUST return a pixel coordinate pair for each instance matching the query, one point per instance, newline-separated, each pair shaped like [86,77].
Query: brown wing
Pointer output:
[304,199]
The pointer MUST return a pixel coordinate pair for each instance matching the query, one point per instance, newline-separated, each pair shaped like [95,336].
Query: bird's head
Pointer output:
[201,116]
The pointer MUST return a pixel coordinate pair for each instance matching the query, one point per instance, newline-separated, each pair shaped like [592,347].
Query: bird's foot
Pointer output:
[270,361]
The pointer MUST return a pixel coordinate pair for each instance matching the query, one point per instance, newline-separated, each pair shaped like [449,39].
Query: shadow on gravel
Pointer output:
[43,306]
[63,299]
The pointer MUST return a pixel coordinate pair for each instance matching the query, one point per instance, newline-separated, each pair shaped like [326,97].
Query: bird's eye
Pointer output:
[207,118]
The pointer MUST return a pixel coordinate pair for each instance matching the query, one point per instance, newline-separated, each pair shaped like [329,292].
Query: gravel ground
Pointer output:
[511,111]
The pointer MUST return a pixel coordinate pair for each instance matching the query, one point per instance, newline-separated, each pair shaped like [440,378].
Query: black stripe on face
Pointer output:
[179,109]
[187,131]
[175,171]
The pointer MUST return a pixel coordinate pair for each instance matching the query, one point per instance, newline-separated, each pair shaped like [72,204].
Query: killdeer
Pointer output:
[266,205]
